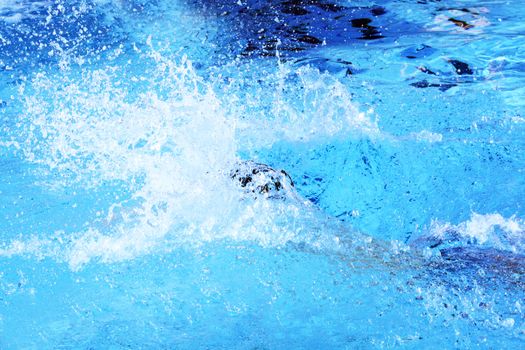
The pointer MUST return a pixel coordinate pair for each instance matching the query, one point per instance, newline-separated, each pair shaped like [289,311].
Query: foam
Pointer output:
[483,230]
[173,145]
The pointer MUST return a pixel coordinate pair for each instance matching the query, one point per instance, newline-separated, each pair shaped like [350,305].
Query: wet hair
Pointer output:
[261,179]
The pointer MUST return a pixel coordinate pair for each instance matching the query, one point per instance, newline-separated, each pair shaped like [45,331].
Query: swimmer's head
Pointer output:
[260,179]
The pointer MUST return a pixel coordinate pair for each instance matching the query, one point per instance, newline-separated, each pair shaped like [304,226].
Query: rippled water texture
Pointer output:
[300,174]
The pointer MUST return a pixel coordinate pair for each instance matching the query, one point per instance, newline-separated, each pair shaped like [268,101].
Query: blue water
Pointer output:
[124,222]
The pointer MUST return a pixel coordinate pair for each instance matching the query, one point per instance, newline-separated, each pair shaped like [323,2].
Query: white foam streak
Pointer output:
[490,230]
[426,136]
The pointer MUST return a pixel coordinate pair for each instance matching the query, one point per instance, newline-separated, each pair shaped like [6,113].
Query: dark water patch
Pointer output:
[295,10]
[294,25]
[368,31]
[420,51]
[426,2]
[309,39]
[425,84]
[460,23]
[360,22]
[330,7]
[461,68]
[371,33]
[378,11]
[426,70]
[299,29]
[445,79]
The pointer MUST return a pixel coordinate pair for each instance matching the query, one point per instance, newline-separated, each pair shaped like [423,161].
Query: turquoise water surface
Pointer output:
[143,203]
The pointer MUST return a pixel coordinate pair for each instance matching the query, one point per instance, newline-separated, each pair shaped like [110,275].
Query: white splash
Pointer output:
[489,230]
[172,151]
[295,105]
[173,147]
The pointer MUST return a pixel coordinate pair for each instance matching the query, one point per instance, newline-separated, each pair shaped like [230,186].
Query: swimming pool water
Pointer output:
[123,224]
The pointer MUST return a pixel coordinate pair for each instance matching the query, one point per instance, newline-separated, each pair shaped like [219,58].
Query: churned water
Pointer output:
[143,204]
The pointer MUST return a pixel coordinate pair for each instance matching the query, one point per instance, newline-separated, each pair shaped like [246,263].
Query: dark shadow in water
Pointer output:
[263,28]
